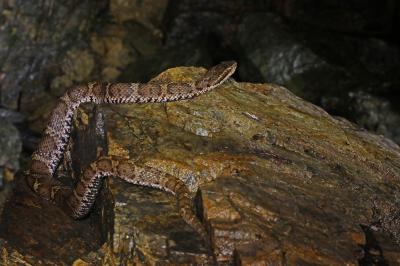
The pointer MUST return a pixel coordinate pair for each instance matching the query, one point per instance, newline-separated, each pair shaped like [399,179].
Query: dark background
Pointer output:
[341,55]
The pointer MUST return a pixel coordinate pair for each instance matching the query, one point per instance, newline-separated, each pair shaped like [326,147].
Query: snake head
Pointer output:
[217,75]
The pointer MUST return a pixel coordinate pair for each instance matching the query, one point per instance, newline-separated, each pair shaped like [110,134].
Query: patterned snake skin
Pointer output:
[78,201]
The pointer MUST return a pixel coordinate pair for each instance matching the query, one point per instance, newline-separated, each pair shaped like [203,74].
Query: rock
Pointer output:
[36,232]
[214,22]
[280,180]
[381,59]
[317,67]
[270,49]
[119,46]
[368,64]
[38,105]
[351,17]
[43,45]
[275,180]
[144,68]
[10,148]
[83,56]
[148,13]
[372,113]
[31,46]
[75,50]
[77,66]
[11,116]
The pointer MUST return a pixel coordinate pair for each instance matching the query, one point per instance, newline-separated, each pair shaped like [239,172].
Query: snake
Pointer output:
[77,200]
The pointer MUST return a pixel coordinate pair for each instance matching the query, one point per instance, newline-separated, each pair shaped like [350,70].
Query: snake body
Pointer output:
[78,201]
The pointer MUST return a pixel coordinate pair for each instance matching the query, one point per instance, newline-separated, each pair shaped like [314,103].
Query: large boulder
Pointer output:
[275,180]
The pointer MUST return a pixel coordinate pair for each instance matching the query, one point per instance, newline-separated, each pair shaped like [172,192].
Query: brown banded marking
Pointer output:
[47,149]
[67,100]
[170,184]
[59,124]
[99,92]
[89,172]
[40,164]
[47,145]
[175,88]
[149,91]
[45,186]
[60,110]
[80,189]
[125,169]
[119,92]
[73,201]
[76,93]
[80,203]
[104,165]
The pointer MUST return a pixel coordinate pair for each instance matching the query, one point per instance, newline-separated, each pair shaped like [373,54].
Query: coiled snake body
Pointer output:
[77,201]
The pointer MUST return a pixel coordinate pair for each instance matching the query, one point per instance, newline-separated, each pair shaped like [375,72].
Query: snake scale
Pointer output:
[77,201]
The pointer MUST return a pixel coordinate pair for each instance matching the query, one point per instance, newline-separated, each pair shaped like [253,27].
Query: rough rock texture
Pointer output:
[11,116]
[339,55]
[10,149]
[277,55]
[47,46]
[148,13]
[372,113]
[32,37]
[278,181]
[35,232]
